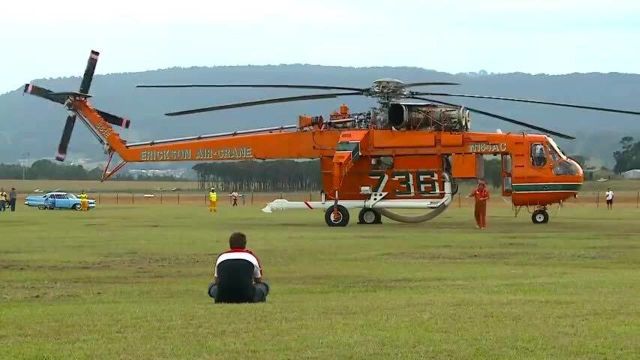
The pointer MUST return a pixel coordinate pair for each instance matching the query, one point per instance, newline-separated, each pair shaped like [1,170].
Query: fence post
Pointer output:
[161,197]
[133,200]
[598,199]
[459,200]
[178,198]
[251,197]
[117,198]
[637,199]
[100,198]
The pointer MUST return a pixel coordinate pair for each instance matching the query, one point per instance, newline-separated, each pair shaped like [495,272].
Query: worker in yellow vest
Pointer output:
[84,201]
[213,200]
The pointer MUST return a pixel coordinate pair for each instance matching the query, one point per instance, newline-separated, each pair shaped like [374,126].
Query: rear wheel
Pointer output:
[369,216]
[340,218]
[76,207]
[540,217]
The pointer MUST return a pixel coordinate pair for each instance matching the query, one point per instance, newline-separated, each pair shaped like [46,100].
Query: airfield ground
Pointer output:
[129,281]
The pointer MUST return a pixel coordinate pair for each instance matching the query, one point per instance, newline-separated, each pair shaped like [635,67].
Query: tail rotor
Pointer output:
[71,119]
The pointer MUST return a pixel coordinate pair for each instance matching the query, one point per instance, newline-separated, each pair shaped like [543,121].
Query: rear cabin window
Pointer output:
[538,157]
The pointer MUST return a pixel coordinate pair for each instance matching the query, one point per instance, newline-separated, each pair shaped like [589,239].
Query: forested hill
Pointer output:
[29,124]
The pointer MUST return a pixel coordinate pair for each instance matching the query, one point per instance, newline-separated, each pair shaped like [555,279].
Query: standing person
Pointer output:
[13,196]
[609,197]
[50,202]
[3,199]
[238,274]
[234,197]
[213,200]
[84,201]
[481,195]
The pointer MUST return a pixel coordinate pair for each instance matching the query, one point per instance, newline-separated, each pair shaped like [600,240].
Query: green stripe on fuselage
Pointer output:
[545,187]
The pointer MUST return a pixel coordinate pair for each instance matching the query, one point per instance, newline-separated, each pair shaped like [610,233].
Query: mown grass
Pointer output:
[130,282]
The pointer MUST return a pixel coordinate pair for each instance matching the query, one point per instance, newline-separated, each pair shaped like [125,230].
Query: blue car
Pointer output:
[56,200]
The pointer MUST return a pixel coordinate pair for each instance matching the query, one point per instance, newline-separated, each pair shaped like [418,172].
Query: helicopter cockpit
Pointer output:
[550,154]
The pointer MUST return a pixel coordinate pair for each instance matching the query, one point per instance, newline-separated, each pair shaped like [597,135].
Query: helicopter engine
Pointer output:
[428,116]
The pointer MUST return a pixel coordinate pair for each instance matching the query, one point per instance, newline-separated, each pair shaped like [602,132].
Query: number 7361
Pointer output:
[422,182]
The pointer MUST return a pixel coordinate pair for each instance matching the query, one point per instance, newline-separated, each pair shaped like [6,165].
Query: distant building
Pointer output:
[632,174]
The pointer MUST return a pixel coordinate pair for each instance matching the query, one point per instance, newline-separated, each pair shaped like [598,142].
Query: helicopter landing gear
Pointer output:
[339,218]
[369,216]
[540,216]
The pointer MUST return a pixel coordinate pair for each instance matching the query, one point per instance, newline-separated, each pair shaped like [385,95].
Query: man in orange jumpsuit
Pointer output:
[481,195]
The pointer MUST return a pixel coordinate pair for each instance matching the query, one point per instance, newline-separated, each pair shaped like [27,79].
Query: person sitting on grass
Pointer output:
[238,275]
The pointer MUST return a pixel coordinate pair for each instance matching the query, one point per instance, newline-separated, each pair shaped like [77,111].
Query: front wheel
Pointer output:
[340,218]
[540,217]
[76,207]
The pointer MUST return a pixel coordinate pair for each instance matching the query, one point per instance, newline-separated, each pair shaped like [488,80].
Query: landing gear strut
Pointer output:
[540,216]
[369,216]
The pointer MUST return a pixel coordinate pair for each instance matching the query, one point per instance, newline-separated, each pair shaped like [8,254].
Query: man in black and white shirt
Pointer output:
[609,197]
[238,274]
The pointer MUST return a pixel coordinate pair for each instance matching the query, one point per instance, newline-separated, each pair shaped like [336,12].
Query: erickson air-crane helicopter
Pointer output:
[407,153]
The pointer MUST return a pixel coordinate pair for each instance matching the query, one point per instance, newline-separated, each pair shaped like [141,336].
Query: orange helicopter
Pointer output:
[407,153]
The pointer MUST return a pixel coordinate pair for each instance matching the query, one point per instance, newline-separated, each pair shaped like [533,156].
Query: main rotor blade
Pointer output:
[429,83]
[503,118]
[281,86]
[88,72]
[531,101]
[263,102]
[66,136]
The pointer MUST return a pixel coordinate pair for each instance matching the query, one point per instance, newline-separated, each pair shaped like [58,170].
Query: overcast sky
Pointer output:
[46,38]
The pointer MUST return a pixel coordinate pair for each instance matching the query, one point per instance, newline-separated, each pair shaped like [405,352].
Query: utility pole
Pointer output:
[25,161]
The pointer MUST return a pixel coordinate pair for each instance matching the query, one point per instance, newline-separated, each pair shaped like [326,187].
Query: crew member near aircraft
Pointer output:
[609,197]
[213,200]
[480,195]
[238,275]
[13,196]
[3,199]
[84,201]
[234,197]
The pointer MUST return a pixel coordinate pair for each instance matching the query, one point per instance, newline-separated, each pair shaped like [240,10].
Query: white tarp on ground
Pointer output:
[632,174]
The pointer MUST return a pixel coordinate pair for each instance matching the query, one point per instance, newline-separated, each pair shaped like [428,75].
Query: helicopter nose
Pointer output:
[579,170]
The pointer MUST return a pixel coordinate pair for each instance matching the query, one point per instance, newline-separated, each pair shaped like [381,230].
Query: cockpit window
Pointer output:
[538,157]
[552,144]
[561,164]
[555,157]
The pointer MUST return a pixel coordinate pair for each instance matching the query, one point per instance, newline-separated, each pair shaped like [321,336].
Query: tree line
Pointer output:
[628,157]
[48,170]
[243,176]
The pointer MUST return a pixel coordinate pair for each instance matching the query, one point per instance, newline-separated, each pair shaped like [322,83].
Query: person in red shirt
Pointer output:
[480,195]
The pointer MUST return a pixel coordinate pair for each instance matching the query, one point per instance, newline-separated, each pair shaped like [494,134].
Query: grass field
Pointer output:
[129,282]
